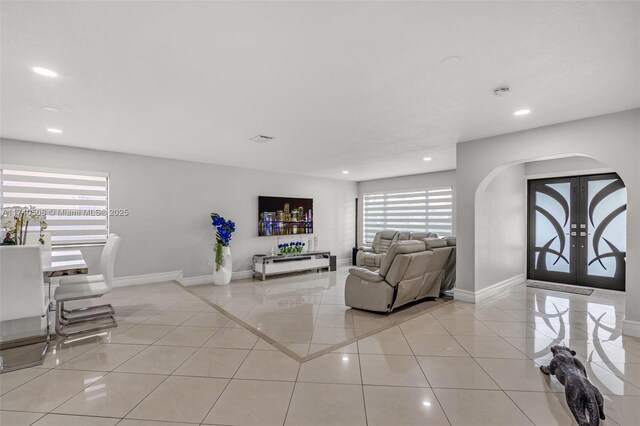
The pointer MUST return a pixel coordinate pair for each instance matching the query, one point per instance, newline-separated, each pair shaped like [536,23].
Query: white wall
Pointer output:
[501,237]
[612,139]
[421,181]
[570,166]
[169,228]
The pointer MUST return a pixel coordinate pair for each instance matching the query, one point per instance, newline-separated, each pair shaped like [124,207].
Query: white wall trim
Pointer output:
[630,328]
[146,278]
[202,279]
[464,295]
[343,262]
[475,297]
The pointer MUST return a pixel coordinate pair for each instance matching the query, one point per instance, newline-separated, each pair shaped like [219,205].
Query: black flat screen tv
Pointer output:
[284,216]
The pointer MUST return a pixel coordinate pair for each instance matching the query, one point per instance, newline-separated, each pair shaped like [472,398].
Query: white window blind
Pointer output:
[429,210]
[75,203]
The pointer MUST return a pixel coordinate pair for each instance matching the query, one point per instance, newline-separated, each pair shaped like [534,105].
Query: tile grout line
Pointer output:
[295,383]
[258,333]
[364,399]
[165,379]
[424,373]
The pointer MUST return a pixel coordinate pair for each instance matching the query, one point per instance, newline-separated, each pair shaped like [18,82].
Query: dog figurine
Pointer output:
[580,393]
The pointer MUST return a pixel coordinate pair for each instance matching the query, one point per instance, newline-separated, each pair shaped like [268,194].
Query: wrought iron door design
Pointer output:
[577,230]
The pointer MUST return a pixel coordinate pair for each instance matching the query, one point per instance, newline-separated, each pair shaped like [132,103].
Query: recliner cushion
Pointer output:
[422,235]
[404,236]
[401,247]
[433,243]
[451,241]
[383,240]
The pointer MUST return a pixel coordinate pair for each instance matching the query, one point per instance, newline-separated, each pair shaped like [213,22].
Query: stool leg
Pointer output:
[59,309]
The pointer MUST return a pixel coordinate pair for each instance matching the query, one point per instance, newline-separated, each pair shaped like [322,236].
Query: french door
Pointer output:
[577,231]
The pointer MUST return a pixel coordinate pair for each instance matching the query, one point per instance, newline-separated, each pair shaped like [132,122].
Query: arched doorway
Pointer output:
[505,228]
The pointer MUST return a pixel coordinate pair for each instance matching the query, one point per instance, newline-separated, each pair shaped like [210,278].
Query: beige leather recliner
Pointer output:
[371,256]
[449,279]
[410,271]
[417,236]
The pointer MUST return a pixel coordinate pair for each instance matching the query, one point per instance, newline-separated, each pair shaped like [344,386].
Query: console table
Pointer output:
[264,266]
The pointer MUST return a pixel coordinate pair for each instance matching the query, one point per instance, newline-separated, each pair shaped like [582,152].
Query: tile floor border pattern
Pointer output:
[302,359]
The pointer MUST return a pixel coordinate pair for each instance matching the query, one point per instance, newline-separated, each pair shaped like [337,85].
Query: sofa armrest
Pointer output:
[366,275]
[365,248]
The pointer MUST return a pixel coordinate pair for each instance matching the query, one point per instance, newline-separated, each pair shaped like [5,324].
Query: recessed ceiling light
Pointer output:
[427,159]
[52,130]
[345,172]
[522,112]
[51,109]
[451,60]
[44,71]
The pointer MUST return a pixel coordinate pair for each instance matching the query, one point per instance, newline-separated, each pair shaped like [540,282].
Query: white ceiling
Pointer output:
[341,86]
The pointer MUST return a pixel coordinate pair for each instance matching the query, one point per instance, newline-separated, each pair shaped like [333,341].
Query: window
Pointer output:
[429,210]
[75,203]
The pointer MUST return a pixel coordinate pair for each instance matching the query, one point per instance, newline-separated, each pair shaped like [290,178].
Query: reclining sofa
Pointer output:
[411,270]
[371,257]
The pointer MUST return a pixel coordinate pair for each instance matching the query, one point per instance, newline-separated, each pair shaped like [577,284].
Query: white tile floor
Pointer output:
[304,313]
[176,360]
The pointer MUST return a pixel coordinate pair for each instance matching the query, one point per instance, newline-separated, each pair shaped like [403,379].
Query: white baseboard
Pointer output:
[631,328]
[464,295]
[177,276]
[202,279]
[146,278]
[475,297]
[343,262]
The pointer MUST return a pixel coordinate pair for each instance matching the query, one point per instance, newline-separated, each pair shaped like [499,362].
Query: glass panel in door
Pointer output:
[552,222]
[603,227]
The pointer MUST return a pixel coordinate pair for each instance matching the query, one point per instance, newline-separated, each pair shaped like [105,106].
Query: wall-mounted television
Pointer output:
[284,216]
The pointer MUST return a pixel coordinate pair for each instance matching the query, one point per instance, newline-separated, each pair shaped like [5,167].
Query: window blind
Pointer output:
[75,203]
[429,210]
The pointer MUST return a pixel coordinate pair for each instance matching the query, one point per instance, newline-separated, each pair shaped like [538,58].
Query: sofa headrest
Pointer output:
[423,235]
[432,243]
[388,234]
[404,235]
[401,247]
[406,247]
[451,241]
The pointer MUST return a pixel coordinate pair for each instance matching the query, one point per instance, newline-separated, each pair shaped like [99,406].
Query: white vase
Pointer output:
[222,275]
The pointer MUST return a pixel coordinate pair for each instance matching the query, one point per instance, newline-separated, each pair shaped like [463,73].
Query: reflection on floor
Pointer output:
[305,313]
[176,359]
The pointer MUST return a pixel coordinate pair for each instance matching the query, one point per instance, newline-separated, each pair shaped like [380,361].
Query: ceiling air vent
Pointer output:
[501,91]
[261,139]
